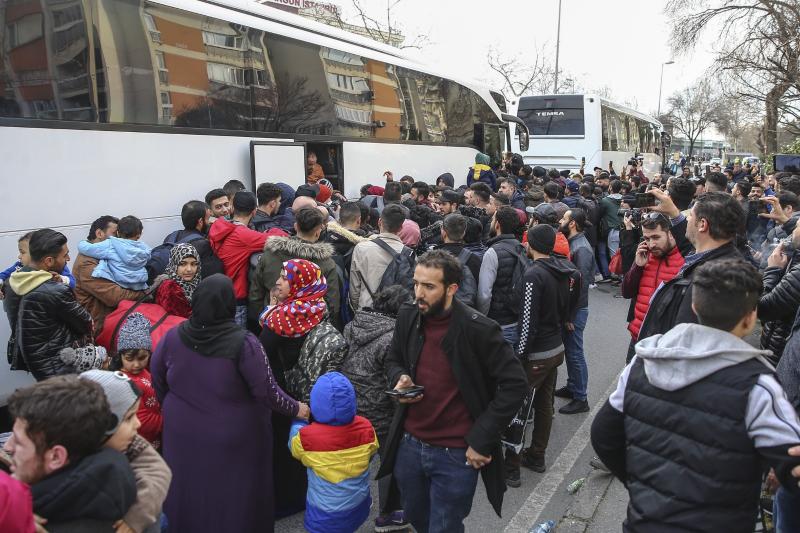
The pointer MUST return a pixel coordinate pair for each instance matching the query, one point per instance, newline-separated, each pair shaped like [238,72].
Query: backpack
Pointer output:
[399,272]
[518,276]
[468,288]
[159,256]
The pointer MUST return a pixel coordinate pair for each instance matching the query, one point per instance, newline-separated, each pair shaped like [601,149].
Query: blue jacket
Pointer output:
[121,261]
[482,173]
[5,274]
[336,448]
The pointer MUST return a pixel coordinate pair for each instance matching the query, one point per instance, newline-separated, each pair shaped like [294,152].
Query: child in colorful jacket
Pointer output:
[336,448]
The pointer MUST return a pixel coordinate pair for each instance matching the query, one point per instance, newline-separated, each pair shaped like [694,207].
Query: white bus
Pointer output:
[137,106]
[566,128]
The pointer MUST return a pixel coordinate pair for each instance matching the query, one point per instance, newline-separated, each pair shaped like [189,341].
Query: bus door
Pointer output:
[329,158]
[491,140]
[278,162]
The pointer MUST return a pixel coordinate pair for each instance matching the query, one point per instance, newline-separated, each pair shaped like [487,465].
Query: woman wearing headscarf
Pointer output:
[218,393]
[175,287]
[301,345]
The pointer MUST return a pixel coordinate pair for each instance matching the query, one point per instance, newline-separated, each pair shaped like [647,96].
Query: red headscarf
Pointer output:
[304,308]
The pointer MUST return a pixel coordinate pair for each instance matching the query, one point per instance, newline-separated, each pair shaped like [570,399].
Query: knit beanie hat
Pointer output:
[135,334]
[83,358]
[324,193]
[121,392]
[542,238]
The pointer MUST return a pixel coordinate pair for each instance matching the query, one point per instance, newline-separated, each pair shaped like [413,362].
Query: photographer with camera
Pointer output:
[657,260]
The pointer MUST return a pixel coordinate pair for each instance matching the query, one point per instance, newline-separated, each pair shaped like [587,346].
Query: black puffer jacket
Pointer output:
[778,305]
[368,337]
[46,318]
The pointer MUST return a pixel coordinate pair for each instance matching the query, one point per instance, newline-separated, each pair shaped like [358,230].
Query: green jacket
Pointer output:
[609,219]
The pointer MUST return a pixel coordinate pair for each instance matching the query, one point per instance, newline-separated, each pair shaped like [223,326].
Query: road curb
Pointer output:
[587,500]
[547,488]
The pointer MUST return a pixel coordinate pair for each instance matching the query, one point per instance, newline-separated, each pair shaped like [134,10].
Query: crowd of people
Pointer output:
[256,362]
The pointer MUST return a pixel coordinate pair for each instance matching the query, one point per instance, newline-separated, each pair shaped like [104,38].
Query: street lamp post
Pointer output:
[660,84]
[558,45]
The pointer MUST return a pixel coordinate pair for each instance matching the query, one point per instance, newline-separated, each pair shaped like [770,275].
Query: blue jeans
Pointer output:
[511,334]
[577,372]
[436,485]
[613,242]
[241,316]
[787,511]
[603,259]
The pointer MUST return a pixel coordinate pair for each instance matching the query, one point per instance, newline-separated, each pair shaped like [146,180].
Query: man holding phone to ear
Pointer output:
[440,440]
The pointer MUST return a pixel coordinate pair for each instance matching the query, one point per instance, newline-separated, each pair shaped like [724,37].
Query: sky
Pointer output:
[616,43]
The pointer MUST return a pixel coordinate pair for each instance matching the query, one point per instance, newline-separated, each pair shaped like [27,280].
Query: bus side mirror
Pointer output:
[524,139]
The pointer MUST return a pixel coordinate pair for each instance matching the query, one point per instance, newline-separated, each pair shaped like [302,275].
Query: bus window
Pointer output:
[176,68]
[557,115]
[633,136]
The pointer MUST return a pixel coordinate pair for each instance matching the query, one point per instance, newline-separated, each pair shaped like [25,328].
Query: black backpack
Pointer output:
[468,288]
[159,256]
[400,270]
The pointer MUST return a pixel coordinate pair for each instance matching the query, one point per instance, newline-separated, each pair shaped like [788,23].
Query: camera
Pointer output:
[635,214]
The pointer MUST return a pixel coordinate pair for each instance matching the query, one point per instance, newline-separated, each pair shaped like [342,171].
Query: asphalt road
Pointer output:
[544,496]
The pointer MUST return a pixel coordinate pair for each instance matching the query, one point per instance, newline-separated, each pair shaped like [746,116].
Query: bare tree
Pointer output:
[759,52]
[531,76]
[692,111]
[385,31]
[734,118]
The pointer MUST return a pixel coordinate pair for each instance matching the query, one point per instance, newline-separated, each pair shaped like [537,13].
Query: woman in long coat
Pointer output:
[217,394]
[302,345]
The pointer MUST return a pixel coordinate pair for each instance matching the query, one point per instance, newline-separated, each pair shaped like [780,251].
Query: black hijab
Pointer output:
[211,330]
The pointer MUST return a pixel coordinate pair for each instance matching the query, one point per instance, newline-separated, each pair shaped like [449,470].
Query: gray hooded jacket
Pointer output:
[690,352]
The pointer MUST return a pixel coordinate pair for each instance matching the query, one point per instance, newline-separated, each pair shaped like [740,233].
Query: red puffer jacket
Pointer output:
[658,270]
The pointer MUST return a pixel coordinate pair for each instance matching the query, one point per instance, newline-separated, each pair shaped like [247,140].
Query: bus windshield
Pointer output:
[552,115]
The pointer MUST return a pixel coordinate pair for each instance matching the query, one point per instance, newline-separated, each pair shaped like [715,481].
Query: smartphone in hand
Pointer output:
[408,392]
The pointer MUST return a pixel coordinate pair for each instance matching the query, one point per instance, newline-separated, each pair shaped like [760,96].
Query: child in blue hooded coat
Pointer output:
[122,259]
[336,448]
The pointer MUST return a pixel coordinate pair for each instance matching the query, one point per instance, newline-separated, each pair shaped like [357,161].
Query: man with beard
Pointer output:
[572,226]
[441,439]
[711,227]
[657,260]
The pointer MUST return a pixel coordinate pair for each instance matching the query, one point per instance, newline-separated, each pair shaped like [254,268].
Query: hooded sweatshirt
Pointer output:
[687,368]
[336,448]
[122,261]
[545,307]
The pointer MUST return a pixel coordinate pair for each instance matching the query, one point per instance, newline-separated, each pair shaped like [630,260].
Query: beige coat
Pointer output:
[368,265]
[153,477]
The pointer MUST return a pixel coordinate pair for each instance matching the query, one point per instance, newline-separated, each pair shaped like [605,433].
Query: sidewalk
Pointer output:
[599,506]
